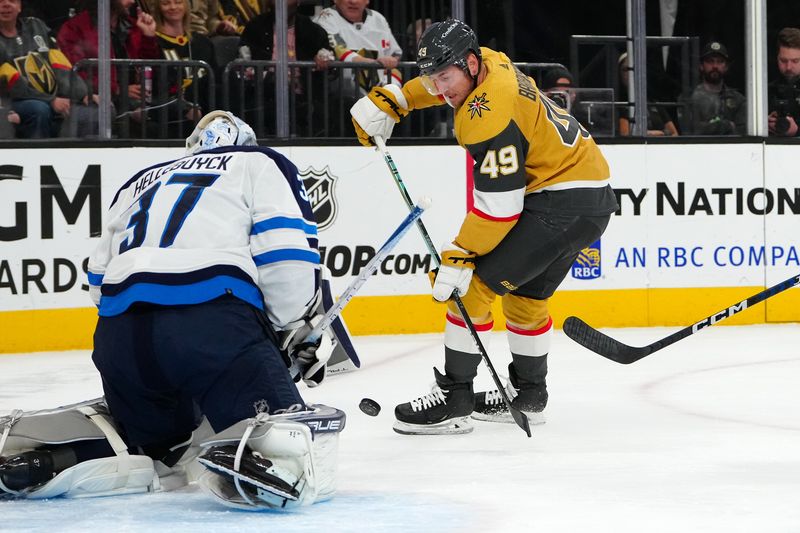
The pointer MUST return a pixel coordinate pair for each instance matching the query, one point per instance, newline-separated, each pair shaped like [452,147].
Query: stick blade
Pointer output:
[521,420]
[600,343]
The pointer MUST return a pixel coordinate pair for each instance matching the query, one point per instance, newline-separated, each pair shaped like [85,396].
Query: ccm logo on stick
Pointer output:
[710,321]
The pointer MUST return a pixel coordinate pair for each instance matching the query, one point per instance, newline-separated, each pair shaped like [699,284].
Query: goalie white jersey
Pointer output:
[371,38]
[232,220]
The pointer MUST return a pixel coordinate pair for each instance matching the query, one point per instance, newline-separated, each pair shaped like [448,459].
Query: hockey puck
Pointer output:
[369,407]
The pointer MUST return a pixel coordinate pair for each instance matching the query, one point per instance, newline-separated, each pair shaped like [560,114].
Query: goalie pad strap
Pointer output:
[15,415]
[116,442]
[108,430]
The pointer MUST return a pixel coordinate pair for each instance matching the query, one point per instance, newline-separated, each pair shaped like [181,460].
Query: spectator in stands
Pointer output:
[659,122]
[362,35]
[235,14]
[53,12]
[784,92]
[558,84]
[359,36]
[176,42]
[205,19]
[307,41]
[131,38]
[414,31]
[713,108]
[35,74]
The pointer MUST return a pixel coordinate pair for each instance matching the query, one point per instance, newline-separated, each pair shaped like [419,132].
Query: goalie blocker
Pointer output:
[269,462]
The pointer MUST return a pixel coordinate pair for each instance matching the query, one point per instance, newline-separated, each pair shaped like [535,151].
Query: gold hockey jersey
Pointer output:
[522,143]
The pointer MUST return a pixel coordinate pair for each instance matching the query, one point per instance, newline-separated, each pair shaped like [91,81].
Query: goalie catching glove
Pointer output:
[378,112]
[310,356]
[455,272]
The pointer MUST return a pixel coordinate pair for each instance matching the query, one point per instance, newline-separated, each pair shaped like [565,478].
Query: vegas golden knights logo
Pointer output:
[320,186]
[38,72]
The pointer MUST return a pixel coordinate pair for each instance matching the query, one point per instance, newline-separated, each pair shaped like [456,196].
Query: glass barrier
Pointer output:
[595,109]
[153,98]
[189,57]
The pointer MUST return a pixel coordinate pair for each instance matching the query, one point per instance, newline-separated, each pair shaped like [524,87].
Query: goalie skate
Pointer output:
[443,411]
[255,472]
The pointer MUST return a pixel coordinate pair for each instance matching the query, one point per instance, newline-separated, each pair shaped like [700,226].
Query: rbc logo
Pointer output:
[587,265]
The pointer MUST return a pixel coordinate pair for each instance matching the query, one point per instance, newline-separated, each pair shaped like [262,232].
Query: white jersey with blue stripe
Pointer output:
[232,220]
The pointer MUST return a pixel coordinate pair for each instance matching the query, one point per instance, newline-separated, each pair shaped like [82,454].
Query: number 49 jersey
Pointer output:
[232,220]
[522,143]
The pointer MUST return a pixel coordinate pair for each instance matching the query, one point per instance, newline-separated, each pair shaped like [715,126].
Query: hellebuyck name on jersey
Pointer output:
[232,220]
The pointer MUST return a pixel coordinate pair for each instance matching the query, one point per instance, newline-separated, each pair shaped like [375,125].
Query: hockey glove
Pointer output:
[455,272]
[378,112]
[311,357]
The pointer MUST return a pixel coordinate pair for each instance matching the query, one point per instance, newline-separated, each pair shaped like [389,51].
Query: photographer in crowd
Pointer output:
[784,93]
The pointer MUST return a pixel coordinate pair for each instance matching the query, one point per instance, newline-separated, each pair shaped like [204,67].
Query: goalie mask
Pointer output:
[219,128]
[444,44]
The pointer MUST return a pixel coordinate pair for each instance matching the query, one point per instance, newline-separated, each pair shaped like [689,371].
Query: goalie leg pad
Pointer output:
[48,436]
[101,477]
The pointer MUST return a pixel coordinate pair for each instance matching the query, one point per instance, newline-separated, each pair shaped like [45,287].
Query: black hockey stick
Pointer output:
[585,335]
[516,414]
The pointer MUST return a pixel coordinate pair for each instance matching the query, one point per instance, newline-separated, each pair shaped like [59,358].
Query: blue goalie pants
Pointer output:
[163,367]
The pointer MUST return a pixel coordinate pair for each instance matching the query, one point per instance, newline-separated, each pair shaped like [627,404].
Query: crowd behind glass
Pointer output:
[174,60]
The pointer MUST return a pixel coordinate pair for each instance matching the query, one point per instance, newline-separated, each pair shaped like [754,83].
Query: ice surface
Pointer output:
[702,436]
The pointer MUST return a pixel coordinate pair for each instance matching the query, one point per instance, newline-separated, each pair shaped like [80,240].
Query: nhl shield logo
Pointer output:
[587,265]
[320,186]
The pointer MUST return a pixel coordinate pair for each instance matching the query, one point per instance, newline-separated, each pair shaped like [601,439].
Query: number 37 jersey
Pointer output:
[232,220]
[523,143]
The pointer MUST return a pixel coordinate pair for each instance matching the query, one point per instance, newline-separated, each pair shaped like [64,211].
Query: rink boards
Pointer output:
[700,227]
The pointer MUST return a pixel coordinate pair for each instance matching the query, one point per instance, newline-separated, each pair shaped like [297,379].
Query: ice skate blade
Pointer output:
[535,419]
[454,426]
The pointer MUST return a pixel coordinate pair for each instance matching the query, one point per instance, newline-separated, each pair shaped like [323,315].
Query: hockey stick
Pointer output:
[366,272]
[585,335]
[517,415]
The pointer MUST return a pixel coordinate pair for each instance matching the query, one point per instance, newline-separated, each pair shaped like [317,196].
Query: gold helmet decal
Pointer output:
[38,72]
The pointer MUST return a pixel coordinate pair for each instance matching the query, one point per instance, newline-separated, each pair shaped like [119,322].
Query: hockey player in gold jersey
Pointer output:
[541,194]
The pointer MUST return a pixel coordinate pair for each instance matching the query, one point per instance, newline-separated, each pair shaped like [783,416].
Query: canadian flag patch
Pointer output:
[385,43]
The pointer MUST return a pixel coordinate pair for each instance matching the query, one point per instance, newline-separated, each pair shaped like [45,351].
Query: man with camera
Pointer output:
[784,93]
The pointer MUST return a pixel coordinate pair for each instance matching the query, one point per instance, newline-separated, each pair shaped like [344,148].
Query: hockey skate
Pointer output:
[443,411]
[257,473]
[530,397]
[31,469]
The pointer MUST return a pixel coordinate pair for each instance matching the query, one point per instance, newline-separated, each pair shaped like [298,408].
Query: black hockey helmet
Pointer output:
[444,44]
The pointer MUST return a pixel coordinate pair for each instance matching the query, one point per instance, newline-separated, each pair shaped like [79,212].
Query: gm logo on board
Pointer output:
[319,185]
[587,265]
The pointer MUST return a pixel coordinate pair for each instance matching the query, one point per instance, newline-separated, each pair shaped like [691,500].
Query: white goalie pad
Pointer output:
[274,462]
[123,473]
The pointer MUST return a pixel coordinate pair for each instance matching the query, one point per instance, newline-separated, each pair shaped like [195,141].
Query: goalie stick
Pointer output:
[516,414]
[600,343]
[366,272]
